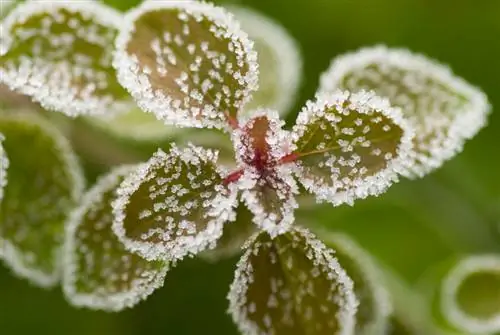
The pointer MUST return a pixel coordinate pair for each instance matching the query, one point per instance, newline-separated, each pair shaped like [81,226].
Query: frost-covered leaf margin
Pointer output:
[145,283]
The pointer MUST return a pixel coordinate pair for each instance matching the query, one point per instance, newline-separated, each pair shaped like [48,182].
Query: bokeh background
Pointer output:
[414,230]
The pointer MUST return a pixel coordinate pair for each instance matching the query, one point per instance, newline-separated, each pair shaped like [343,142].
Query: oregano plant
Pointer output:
[378,114]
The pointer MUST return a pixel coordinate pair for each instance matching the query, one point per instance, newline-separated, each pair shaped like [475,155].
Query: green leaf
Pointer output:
[291,285]
[174,205]
[279,59]
[374,302]
[186,62]
[350,146]
[45,182]
[4,164]
[234,236]
[444,110]
[60,54]
[470,294]
[99,272]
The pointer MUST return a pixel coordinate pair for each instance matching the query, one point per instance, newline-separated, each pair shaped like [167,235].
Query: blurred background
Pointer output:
[415,230]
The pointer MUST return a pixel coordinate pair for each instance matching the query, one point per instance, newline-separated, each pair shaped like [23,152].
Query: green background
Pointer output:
[413,229]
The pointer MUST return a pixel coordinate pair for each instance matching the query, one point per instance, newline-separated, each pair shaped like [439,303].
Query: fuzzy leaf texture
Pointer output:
[174,205]
[60,54]
[350,146]
[187,62]
[444,109]
[291,285]
[99,272]
[45,182]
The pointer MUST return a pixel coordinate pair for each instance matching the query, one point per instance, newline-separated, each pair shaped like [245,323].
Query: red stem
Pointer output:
[233,177]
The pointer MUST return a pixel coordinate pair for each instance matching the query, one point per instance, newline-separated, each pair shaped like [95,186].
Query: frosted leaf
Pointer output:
[268,187]
[187,62]
[374,302]
[99,272]
[350,146]
[291,285]
[234,236]
[60,54]
[279,58]
[470,295]
[45,182]
[4,164]
[444,109]
[174,205]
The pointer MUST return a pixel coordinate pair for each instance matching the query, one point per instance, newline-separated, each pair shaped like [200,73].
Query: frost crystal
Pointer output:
[173,205]
[289,283]
[280,62]
[444,109]
[59,53]
[350,146]
[45,181]
[4,164]
[488,322]
[187,62]
[98,272]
